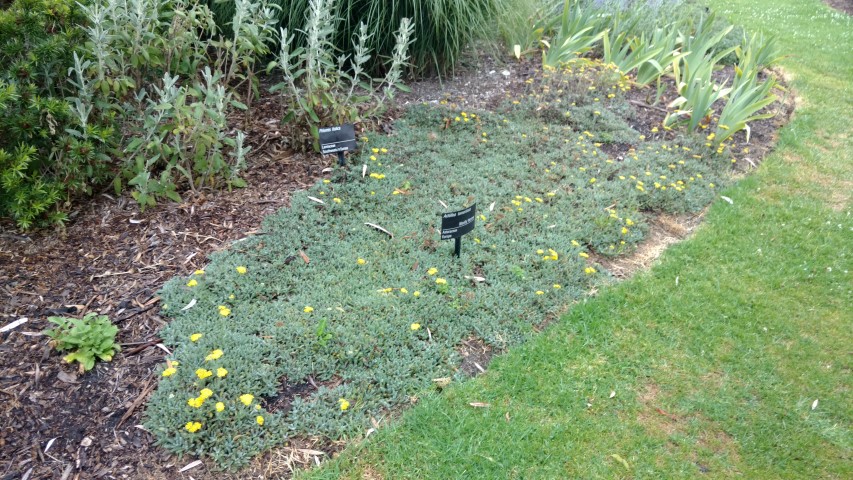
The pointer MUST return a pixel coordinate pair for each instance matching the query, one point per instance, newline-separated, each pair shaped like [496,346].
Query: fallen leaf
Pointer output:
[380,229]
[621,460]
[479,404]
[612,393]
[14,324]
[307,451]
[190,466]
[475,278]
[49,444]
[66,377]
[814,404]
[189,305]
[731,202]
[363,170]
[86,442]
[304,257]
[442,382]
[315,199]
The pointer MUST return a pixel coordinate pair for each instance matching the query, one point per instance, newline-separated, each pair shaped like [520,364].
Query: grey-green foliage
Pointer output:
[546,194]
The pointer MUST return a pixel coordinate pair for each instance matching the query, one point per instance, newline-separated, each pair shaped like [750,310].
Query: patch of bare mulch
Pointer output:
[845,6]
[111,258]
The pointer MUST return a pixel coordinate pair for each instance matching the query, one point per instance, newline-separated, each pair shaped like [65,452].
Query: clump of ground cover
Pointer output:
[373,317]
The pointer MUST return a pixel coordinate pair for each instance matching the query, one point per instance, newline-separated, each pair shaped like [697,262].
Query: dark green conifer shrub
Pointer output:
[41,164]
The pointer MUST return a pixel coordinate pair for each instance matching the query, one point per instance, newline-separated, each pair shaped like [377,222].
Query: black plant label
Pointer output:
[337,139]
[456,224]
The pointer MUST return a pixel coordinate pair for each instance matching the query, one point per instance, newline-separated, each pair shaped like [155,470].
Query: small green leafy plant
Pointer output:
[90,338]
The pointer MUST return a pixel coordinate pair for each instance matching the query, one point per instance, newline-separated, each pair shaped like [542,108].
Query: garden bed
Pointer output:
[113,260]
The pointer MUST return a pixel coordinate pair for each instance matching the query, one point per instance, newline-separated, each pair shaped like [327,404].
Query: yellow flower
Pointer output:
[198,272]
[194,337]
[415,326]
[202,373]
[361,261]
[440,281]
[169,372]
[373,157]
[326,180]
[374,150]
[308,309]
[192,283]
[557,286]
[589,270]
[403,290]
[221,372]
[247,398]
[205,393]
[432,271]
[539,292]
[224,311]
[540,251]
[195,402]
[583,255]
[383,150]
[336,200]
[592,180]
[624,231]
[344,404]
[241,270]
[231,297]
[575,243]
[192,427]
[259,419]
[213,355]
[416,294]
[220,406]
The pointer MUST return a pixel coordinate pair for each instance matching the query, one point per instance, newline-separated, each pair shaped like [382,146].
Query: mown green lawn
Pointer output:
[730,358]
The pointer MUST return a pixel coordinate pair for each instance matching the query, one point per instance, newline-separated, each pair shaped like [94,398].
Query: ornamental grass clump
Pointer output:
[383,307]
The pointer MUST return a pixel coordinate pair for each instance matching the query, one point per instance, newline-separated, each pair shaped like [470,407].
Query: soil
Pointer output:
[111,258]
[845,6]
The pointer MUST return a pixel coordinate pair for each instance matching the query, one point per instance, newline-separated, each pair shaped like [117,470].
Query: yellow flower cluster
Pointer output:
[247,399]
[552,255]
[224,311]
[344,404]
[214,355]
[241,270]
[203,373]
[192,427]
[196,336]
